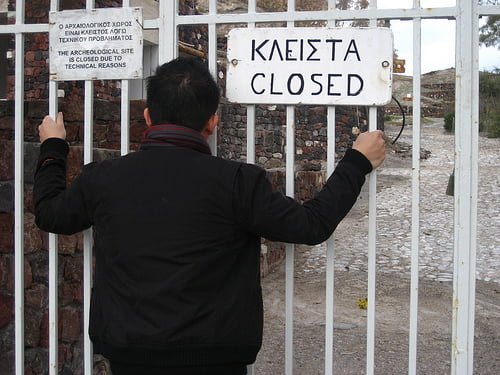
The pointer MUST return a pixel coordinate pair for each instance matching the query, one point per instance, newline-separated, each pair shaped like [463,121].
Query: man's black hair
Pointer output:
[182,92]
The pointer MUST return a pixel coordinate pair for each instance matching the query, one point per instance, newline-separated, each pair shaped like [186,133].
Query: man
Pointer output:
[177,231]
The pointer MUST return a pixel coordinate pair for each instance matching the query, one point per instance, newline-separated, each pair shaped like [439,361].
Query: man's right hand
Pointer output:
[372,145]
[52,129]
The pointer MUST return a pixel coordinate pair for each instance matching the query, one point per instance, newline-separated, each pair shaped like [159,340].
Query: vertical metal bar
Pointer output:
[212,63]
[250,160]
[474,172]
[251,108]
[125,118]
[53,304]
[88,356]
[290,248]
[125,108]
[466,179]
[251,134]
[252,6]
[87,234]
[415,208]
[372,243]
[53,251]
[167,31]
[53,266]
[330,250]
[19,193]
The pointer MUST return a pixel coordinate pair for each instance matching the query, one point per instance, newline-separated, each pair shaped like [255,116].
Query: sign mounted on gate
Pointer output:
[96,44]
[330,66]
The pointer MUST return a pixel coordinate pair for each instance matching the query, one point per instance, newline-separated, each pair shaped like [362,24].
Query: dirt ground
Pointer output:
[392,325]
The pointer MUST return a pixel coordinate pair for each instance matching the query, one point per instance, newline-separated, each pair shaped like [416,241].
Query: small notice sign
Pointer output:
[331,66]
[96,44]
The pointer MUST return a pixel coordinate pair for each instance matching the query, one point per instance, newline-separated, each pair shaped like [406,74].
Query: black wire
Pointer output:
[404,119]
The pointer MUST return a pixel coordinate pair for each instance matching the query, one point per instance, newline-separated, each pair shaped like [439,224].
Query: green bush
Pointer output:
[449,121]
[490,124]
[489,110]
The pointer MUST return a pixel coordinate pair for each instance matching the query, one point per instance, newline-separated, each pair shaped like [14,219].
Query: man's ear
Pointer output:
[147,117]
[210,126]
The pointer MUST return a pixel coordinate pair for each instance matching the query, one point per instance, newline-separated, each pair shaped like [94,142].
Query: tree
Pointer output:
[352,4]
[489,33]
[488,2]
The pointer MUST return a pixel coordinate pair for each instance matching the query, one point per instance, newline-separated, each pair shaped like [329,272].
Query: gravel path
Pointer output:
[436,213]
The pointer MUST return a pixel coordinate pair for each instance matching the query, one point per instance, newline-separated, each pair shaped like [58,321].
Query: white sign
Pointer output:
[331,66]
[96,44]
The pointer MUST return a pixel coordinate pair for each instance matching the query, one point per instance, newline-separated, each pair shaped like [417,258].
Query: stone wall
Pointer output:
[106,141]
[106,134]
[270,134]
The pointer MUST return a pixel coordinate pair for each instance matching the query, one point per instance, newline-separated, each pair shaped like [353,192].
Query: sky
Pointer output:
[438,39]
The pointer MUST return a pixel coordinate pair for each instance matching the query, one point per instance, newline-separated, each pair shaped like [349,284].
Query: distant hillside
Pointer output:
[438,92]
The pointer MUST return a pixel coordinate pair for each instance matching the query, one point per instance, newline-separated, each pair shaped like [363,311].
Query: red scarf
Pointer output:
[174,135]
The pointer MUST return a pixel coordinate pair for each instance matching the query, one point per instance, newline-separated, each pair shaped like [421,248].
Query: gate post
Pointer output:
[466,180]
[167,31]
[19,191]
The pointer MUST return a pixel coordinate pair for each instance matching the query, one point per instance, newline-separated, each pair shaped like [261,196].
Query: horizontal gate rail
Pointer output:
[339,15]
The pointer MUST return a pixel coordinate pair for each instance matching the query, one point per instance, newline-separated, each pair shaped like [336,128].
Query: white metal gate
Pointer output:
[466,14]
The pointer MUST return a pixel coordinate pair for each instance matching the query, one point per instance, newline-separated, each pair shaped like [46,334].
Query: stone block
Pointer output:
[6,232]
[105,154]
[106,111]
[67,244]
[6,196]
[28,199]
[31,131]
[7,160]
[308,183]
[7,339]
[44,330]
[6,122]
[71,292]
[36,296]
[74,132]
[69,324]
[73,268]
[32,324]
[28,274]
[72,109]
[36,109]
[137,131]
[100,133]
[6,309]
[137,109]
[7,362]
[36,360]
[75,163]
[31,153]
[37,267]
[65,356]
[6,275]
[33,240]
[6,108]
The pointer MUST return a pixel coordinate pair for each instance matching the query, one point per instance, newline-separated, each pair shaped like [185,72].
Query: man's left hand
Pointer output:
[52,129]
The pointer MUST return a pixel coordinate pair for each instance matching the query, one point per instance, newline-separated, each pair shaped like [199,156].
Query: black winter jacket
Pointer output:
[177,246]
